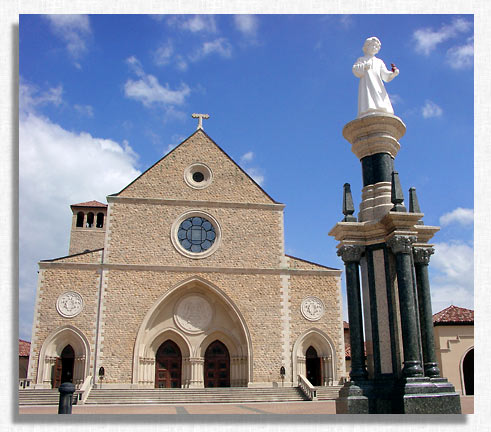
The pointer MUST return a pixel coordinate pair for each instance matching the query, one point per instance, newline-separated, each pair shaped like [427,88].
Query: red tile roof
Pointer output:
[89,204]
[345,325]
[454,315]
[347,350]
[24,348]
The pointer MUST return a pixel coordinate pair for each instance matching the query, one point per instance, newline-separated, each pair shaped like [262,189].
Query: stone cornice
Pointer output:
[188,269]
[197,204]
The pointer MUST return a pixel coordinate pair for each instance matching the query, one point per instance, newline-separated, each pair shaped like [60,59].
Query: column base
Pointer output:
[427,396]
[420,395]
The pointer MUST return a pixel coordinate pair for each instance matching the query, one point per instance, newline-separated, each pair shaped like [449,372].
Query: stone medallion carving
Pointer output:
[193,314]
[312,308]
[69,304]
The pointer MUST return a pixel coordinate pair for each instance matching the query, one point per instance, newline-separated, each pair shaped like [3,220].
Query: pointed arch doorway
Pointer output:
[63,368]
[217,365]
[168,361]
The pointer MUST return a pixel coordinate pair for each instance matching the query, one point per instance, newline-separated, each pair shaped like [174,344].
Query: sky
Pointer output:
[103,97]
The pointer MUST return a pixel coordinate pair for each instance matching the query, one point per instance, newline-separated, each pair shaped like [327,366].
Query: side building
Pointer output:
[182,281]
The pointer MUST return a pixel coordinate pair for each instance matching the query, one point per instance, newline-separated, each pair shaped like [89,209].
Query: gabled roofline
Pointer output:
[219,148]
[311,262]
[73,255]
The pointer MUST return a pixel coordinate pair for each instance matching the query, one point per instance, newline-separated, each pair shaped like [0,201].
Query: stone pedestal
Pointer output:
[387,250]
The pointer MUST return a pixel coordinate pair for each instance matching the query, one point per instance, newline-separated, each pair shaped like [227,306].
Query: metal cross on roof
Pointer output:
[200,118]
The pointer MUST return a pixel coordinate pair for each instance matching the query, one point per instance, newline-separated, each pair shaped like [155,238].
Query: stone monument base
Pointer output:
[419,395]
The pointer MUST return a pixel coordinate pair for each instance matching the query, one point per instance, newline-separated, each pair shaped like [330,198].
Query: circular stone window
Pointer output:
[198,176]
[195,234]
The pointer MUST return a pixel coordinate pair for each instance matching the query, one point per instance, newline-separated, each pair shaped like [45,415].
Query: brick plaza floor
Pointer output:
[253,409]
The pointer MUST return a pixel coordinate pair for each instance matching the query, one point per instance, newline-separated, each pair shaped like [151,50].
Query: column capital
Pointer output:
[401,243]
[350,253]
[422,254]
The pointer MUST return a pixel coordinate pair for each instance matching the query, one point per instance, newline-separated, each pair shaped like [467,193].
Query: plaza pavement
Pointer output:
[252,409]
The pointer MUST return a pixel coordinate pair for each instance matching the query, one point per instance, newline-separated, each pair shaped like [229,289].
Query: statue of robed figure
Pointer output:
[372,96]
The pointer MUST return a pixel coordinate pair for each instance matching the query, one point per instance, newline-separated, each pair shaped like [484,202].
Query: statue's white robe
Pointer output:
[372,96]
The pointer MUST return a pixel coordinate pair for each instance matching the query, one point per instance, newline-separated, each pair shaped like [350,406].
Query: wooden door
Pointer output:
[217,365]
[168,362]
[57,369]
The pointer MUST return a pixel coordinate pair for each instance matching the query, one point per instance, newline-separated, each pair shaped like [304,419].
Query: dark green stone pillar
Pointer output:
[421,260]
[401,247]
[351,255]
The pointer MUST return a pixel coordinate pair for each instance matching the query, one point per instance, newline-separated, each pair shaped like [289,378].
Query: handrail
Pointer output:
[308,389]
[85,389]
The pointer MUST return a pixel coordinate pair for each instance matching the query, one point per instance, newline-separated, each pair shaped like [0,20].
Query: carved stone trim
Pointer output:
[401,243]
[422,254]
[312,308]
[350,253]
[69,304]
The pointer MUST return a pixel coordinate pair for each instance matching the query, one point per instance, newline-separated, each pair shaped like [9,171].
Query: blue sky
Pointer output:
[103,97]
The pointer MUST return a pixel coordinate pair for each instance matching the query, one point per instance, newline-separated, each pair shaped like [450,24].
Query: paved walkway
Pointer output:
[253,409]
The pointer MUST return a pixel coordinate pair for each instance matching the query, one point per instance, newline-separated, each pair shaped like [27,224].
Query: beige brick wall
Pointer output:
[94,257]
[130,294]
[141,234]
[82,239]
[54,283]
[328,290]
[166,178]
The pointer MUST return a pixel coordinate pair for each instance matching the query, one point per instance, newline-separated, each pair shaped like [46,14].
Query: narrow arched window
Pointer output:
[90,220]
[80,219]
[100,220]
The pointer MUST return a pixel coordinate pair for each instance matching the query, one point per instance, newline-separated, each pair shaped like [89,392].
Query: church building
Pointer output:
[182,280]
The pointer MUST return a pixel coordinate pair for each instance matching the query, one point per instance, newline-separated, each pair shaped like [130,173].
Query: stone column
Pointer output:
[401,247]
[49,362]
[197,372]
[351,255]
[79,370]
[421,260]
[301,368]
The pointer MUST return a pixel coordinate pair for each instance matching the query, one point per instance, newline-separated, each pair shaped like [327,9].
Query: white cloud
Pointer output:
[461,56]
[73,30]
[256,175]
[431,109]
[164,53]
[460,216]
[86,110]
[149,91]
[346,21]
[194,23]
[246,24]
[395,98]
[452,269]
[247,157]
[57,168]
[30,96]
[218,46]
[427,39]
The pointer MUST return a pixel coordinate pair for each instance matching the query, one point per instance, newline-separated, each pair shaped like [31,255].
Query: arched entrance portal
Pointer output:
[313,366]
[168,361]
[468,372]
[63,368]
[217,365]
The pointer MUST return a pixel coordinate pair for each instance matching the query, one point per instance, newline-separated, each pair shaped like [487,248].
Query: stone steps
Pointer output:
[328,393]
[209,395]
[180,396]
[41,397]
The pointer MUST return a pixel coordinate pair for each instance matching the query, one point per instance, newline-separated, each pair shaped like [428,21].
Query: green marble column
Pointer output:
[401,247]
[421,260]
[351,255]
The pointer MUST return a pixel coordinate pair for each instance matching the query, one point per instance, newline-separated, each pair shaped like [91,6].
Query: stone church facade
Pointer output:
[182,280]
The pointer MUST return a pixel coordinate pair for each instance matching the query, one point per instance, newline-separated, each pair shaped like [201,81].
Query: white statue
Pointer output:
[372,97]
